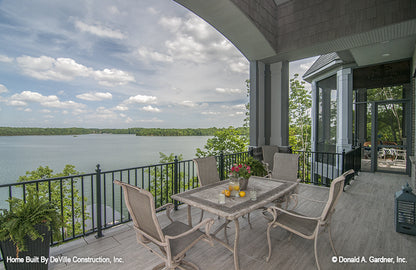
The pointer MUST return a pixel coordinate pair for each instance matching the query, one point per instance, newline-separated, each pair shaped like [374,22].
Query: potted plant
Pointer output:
[25,232]
[256,167]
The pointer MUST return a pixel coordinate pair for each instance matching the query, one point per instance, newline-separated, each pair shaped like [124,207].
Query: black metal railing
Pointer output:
[91,203]
[320,168]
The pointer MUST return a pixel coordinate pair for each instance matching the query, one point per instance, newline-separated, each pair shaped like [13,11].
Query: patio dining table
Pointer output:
[206,198]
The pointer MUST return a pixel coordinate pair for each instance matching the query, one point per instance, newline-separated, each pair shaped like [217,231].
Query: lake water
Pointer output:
[19,154]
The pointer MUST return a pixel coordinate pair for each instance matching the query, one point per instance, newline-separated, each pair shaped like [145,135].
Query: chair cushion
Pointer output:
[183,243]
[297,224]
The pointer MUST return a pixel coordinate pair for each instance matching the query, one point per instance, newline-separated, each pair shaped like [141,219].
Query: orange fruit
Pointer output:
[227,193]
[236,187]
[242,193]
[230,187]
[223,192]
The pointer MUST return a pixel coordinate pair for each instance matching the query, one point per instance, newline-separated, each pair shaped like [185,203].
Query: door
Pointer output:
[390,136]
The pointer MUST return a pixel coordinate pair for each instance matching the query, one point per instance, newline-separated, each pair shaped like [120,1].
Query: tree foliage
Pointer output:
[389,116]
[300,104]
[60,193]
[228,141]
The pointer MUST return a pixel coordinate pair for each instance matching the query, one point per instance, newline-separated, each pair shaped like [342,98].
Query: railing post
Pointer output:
[98,188]
[175,180]
[343,161]
[221,165]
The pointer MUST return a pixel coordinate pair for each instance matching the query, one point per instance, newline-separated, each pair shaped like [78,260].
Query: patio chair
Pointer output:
[304,226]
[268,154]
[286,168]
[174,240]
[206,169]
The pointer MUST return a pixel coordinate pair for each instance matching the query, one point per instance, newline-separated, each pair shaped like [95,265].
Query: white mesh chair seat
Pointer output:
[174,240]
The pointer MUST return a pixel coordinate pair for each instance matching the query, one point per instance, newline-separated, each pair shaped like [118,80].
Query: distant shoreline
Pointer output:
[34,131]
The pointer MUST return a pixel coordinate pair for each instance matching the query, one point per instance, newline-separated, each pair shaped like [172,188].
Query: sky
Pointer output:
[118,64]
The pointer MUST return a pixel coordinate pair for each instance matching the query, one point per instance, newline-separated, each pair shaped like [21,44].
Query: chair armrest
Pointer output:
[169,207]
[274,211]
[208,222]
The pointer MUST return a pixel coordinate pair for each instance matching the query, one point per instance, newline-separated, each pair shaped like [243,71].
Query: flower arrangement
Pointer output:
[240,170]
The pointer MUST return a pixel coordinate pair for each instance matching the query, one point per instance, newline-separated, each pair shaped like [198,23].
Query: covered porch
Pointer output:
[362,226]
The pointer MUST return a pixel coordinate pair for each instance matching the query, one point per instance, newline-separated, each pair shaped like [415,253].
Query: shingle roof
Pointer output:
[322,61]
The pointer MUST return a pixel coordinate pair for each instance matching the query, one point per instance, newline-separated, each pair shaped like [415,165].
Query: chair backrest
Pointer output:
[207,171]
[337,186]
[268,154]
[285,166]
[141,207]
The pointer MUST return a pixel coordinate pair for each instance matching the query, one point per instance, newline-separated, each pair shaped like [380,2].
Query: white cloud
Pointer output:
[47,68]
[51,101]
[27,110]
[97,96]
[188,103]
[17,103]
[150,109]
[5,59]
[239,107]
[148,55]
[3,89]
[67,69]
[153,120]
[141,99]
[121,108]
[229,90]
[46,111]
[194,41]
[210,113]
[171,23]
[112,77]
[99,30]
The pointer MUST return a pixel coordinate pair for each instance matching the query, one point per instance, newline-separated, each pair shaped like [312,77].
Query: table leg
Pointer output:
[236,240]
[189,216]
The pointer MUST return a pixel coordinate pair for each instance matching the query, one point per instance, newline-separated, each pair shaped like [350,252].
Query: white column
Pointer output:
[314,111]
[344,110]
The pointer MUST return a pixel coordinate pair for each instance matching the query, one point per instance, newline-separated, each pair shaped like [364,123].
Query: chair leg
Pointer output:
[316,250]
[330,240]
[248,220]
[202,215]
[269,242]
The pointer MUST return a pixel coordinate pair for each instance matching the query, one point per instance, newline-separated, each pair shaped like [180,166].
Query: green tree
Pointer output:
[390,116]
[60,193]
[162,178]
[300,104]
[227,141]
